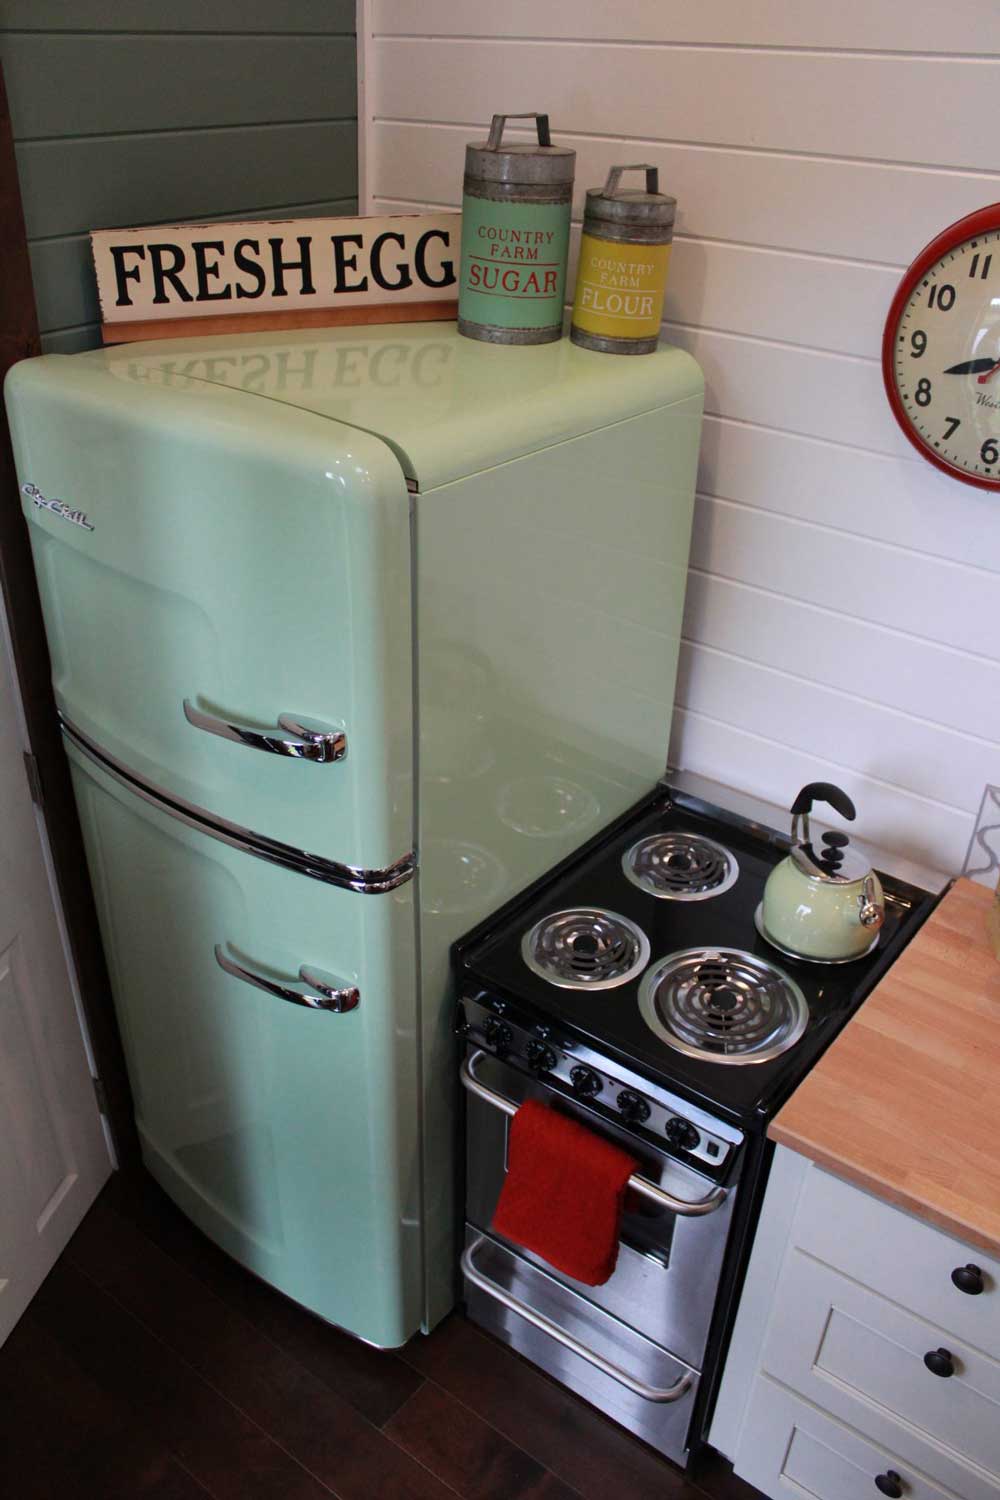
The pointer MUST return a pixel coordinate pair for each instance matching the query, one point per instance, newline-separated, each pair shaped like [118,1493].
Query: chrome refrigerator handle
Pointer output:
[637,1387]
[638,1184]
[330,993]
[306,739]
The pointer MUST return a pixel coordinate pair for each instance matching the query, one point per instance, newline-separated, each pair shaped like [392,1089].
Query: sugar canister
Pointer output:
[515,236]
[622,273]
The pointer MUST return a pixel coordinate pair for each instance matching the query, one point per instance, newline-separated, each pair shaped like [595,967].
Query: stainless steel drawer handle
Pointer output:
[640,1185]
[305,739]
[323,991]
[637,1387]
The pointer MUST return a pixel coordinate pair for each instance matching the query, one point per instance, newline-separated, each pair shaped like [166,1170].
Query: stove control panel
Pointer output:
[634,1102]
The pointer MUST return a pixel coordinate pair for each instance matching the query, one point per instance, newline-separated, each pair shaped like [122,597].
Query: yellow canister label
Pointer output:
[619,288]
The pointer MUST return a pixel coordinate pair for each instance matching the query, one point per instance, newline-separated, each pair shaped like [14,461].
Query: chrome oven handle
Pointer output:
[638,1387]
[638,1184]
[323,991]
[305,739]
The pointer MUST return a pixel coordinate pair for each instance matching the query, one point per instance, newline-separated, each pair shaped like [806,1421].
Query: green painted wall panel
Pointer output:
[320,16]
[66,292]
[95,85]
[152,114]
[72,340]
[72,186]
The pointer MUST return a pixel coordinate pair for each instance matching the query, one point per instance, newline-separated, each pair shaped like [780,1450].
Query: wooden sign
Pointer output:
[171,282]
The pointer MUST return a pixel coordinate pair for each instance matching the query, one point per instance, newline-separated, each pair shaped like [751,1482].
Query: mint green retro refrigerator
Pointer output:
[353,635]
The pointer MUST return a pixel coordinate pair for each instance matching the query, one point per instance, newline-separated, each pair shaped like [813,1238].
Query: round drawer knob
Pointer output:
[889,1484]
[968,1279]
[940,1362]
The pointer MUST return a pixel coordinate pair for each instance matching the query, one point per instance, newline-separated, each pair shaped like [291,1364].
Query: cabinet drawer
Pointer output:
[900,1257]
[862,1359]
[790,1448]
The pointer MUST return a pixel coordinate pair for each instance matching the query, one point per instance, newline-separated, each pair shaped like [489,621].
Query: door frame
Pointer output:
[52,789]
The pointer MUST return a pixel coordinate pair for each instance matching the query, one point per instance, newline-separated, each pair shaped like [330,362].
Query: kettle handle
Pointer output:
[824,791]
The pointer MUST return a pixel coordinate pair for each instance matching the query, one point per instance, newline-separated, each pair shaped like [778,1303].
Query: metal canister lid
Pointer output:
[646,207]
[520,162]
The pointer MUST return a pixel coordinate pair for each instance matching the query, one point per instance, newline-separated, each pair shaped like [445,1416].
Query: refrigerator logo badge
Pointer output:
[59,506]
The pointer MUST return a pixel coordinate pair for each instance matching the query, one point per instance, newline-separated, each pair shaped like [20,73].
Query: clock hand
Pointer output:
[988,374]
[972,367]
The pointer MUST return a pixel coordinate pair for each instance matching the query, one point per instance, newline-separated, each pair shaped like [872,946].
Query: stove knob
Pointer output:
[682,1135]
[633,1108]
[540,1057]
[498,1035]
[586,1082]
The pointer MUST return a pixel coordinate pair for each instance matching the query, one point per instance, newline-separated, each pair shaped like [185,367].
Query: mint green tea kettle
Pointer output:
[825,905]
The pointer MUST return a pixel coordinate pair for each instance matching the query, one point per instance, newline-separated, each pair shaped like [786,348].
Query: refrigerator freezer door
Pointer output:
[228,615]
[287,1131]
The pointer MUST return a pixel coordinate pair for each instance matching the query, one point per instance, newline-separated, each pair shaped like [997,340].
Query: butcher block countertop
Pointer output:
[906,1102]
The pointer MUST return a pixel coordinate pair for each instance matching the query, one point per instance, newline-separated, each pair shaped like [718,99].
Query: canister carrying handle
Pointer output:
[499,121]
[615,177]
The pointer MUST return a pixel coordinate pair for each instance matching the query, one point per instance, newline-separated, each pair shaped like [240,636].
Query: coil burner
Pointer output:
[680,866]
[585,948]
[723,1005]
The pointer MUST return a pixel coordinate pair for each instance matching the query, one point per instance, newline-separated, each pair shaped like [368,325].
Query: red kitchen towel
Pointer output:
[563,1194]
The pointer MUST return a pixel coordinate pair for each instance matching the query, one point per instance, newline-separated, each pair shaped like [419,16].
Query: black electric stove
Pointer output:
[630,985]
[708,871]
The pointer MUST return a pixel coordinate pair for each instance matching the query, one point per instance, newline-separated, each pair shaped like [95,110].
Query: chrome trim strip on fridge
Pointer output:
[305,739]
[332,994]
[331,872]
[631,1382]
[681,1206]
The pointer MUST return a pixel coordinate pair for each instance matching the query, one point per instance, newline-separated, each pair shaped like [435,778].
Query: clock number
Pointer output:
[954,423]
[922,395]
[989,453]
[986,266]
[918,342]
[942,297]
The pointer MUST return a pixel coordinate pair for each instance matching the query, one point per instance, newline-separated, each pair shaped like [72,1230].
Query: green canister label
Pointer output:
[513,269]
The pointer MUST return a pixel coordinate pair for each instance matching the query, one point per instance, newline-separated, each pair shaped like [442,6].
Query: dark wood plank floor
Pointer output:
[152,1367]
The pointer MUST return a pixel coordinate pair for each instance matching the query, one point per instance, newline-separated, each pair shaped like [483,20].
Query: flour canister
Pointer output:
[515,237]
[622,274]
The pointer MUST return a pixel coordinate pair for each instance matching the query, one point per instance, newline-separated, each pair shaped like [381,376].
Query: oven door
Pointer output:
[649,1323]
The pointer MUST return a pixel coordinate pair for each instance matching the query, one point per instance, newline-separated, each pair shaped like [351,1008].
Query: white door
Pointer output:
[54,1157]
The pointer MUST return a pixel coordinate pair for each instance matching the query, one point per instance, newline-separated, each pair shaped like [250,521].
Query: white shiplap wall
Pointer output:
[843,611]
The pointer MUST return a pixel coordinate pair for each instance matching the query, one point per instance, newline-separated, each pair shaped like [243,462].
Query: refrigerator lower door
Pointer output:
[287,1131]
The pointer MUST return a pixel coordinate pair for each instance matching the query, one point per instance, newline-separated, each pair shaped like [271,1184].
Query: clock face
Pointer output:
[941,350]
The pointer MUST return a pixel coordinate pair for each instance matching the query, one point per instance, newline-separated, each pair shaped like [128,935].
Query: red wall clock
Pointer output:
[941,350]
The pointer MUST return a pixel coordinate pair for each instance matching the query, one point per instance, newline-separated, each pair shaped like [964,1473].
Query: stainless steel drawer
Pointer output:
[498,1282]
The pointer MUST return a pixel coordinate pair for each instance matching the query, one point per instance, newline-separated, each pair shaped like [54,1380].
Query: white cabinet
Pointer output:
[798,1451]
[859,1366]
[903,1258]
